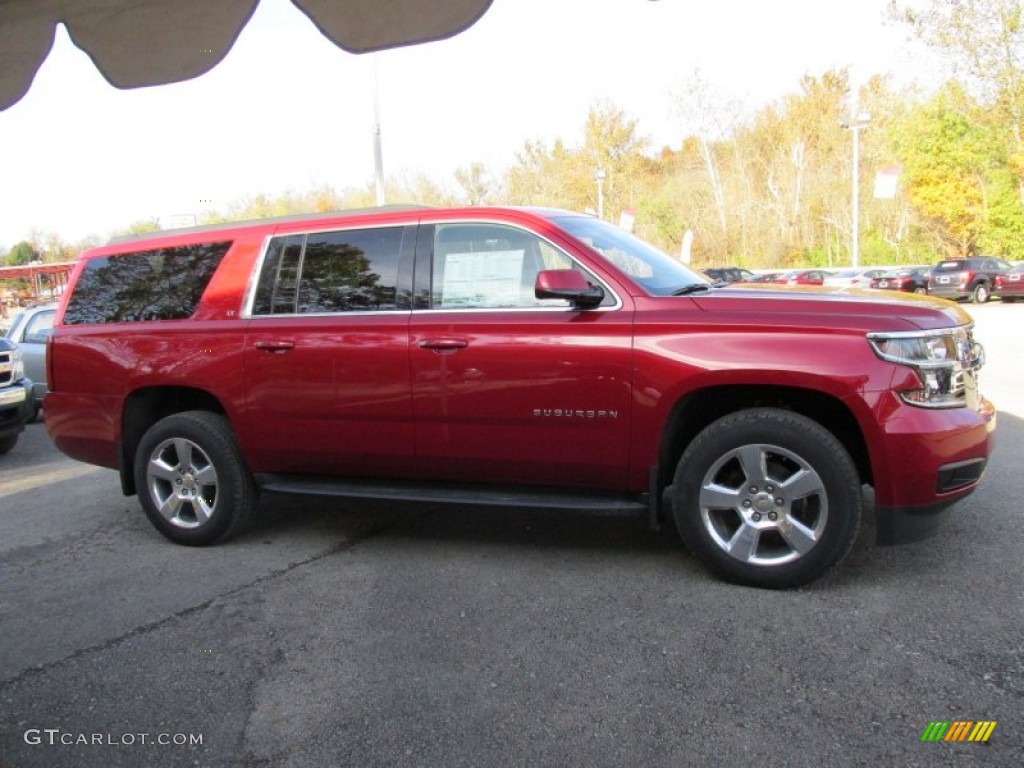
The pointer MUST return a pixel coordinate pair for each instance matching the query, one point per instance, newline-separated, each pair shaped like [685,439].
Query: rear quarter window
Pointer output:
[159,284]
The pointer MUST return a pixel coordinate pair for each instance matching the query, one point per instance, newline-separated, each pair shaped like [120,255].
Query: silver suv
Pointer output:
[29,331]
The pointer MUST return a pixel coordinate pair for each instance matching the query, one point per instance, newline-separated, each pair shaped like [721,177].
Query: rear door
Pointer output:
[508,388]
[326,354]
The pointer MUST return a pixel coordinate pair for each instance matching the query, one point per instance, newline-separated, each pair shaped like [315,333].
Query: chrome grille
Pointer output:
[6,368]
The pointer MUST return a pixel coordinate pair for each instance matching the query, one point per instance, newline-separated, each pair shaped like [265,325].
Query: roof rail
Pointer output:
[267,220]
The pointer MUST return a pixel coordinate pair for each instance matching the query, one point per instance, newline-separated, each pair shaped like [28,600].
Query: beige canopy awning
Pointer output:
[138,43]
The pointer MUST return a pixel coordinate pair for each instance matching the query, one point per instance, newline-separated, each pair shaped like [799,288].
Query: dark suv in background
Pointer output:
[970,278]
[729,274]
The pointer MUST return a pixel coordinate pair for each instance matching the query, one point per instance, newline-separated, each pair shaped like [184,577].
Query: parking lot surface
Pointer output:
[410,635]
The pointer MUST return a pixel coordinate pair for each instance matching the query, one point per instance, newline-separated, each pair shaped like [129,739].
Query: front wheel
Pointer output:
[767,497]
[192,482]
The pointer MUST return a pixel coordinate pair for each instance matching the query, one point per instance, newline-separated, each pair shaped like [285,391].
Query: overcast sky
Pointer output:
[286,109]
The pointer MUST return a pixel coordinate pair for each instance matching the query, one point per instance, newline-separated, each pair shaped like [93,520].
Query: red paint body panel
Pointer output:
[339,396]
[545,401]
[1010,285]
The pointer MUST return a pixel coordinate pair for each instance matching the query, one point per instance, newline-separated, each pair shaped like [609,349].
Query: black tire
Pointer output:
[981,293]
[7,444]
[921,290]
[189,465]
[729,514]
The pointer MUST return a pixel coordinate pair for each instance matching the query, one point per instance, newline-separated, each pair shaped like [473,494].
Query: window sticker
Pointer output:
[483,279]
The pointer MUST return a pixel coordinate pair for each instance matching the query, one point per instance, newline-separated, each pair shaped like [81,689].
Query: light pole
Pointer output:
[600,176]
[378,152]
[854,125]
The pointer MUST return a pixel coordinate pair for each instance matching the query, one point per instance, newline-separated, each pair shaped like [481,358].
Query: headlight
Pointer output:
[941,359]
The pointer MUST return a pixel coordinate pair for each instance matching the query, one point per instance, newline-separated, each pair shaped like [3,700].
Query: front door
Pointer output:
[507,388]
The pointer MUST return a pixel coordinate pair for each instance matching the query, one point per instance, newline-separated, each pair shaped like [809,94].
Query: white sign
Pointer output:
[482,279]
[887,182]
[626,219]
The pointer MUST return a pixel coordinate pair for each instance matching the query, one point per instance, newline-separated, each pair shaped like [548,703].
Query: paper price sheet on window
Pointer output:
[483,279]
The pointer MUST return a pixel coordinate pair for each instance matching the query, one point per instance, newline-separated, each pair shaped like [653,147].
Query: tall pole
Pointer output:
[378,152]
[855,234]
[600,191]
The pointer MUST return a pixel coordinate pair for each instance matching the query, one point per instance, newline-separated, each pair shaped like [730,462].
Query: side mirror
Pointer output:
[570,285]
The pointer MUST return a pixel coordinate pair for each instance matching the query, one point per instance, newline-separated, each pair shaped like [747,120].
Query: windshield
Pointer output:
[657,272]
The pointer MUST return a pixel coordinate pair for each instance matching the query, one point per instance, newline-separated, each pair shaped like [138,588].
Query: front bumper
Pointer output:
[904,525]
[951,292]
[17,405]
[935,458]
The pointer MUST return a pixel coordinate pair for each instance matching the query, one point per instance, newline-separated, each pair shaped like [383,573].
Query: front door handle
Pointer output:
[444,344]
[275,347]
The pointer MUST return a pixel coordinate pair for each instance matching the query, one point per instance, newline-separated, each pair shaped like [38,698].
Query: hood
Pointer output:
[861,307]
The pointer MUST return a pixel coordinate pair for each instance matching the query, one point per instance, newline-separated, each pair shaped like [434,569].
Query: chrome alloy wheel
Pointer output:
[182,482]
[763,505]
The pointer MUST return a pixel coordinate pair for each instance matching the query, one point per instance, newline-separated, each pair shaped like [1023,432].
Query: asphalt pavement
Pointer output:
[408,635]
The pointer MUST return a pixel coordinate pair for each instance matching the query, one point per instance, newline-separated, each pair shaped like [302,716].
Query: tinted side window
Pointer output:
[352,270]
[161,284]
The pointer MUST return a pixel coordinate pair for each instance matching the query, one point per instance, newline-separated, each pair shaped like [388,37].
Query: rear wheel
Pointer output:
[767,497]
[192,482]
[980,293]
[920,289]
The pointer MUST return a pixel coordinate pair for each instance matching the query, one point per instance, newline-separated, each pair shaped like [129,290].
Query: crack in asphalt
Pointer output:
[346,545]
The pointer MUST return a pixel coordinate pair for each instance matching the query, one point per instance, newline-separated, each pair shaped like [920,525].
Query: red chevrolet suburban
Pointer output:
[522,357]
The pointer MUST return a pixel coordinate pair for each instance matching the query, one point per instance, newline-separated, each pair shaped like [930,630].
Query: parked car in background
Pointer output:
[722,275]
[29,331]
[1009,286]
[969,278]
[852,278]
[801,277]
[16,401]
[762,277]
[907,279]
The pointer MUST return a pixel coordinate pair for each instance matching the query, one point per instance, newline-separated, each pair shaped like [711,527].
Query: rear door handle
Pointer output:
[444,344]
[275,347]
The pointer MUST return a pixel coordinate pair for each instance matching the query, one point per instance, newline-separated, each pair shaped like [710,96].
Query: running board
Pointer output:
[487,496]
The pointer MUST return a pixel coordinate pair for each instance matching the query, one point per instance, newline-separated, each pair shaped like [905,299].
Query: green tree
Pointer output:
[566,177]
[476,183]
[21,254]
[955,172]
[983,40]
[140,227]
